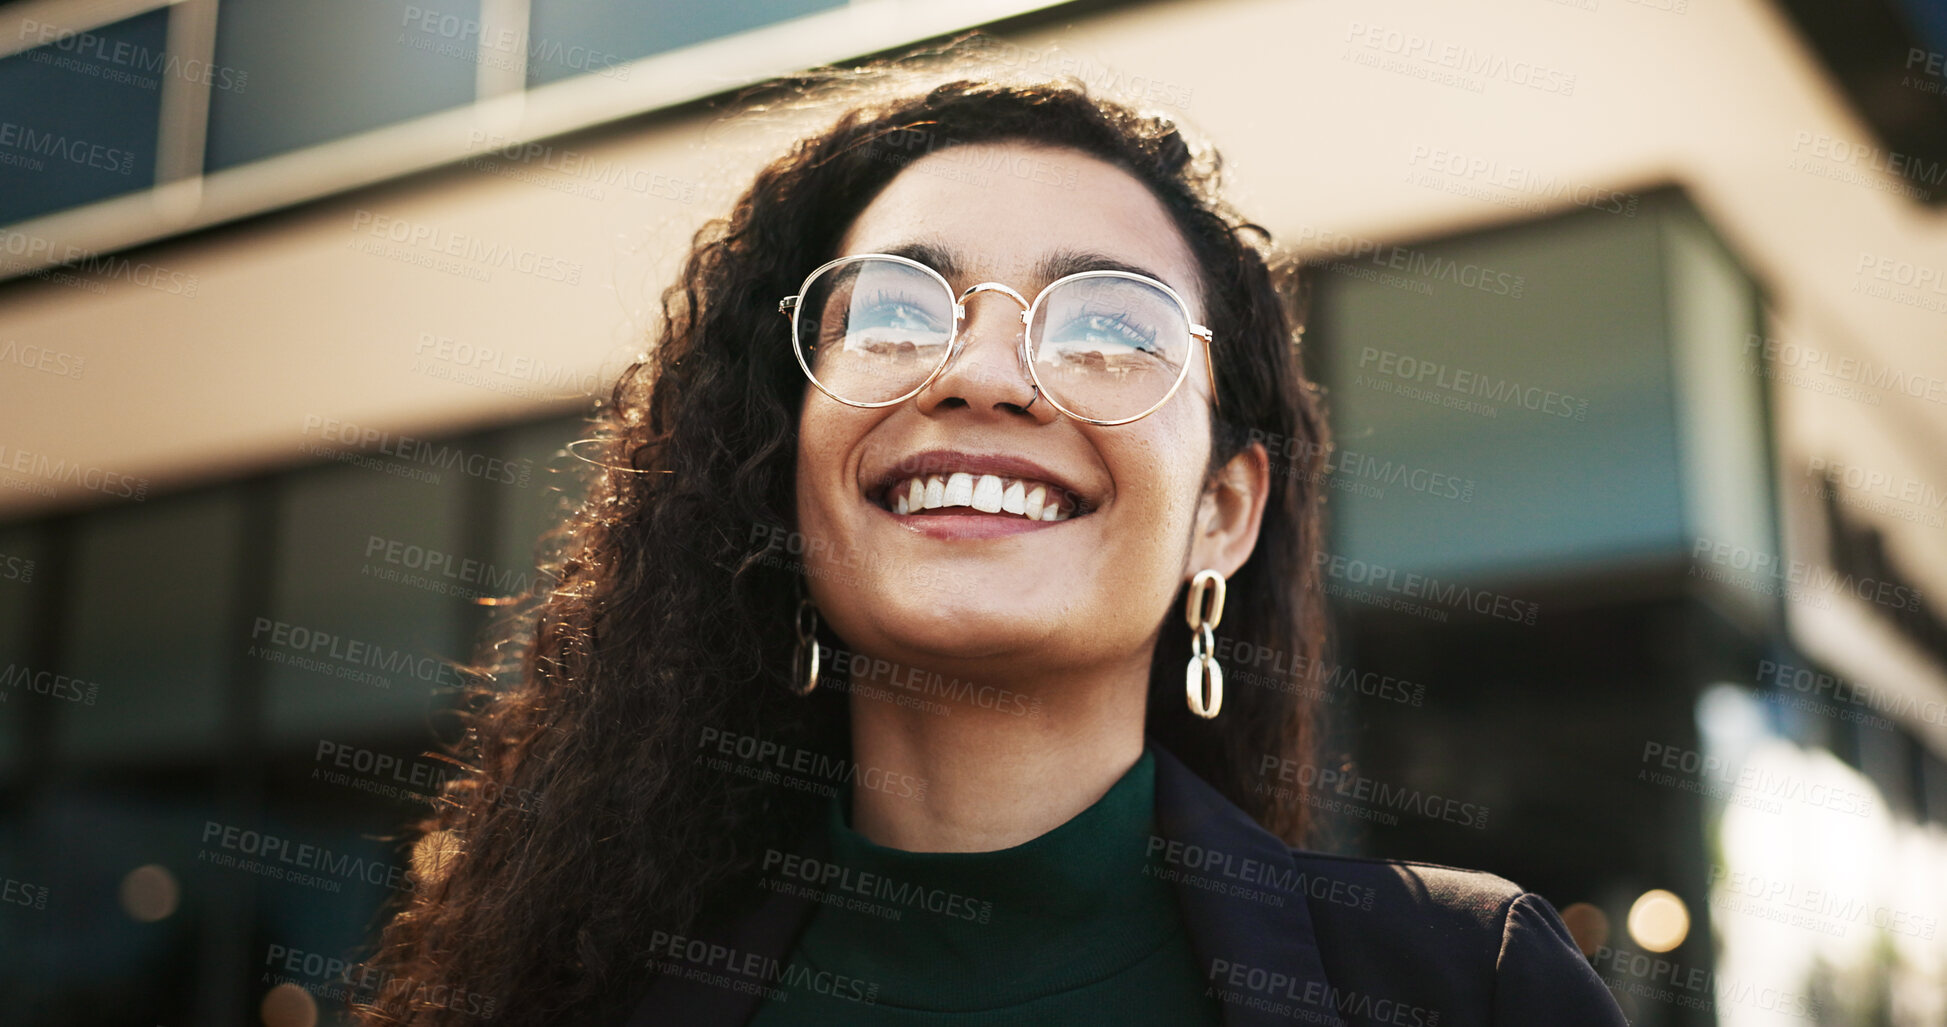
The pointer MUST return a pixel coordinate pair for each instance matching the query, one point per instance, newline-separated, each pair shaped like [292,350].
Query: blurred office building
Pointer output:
[1631,317]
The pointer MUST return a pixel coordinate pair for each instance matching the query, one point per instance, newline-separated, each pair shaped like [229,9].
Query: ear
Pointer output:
[1230,514]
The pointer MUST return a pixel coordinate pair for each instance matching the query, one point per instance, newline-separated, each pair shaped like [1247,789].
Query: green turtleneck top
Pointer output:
[1066,928]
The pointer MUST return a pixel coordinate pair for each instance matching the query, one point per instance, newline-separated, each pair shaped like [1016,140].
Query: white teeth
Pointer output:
[959,490]
[987,494]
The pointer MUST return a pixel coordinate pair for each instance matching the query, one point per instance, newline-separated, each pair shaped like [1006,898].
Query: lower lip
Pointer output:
[966,525]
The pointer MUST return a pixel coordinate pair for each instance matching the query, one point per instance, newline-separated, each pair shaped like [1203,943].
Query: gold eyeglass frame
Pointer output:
[956,341]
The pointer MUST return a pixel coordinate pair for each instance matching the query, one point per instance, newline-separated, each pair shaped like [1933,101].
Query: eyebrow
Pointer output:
[939,258]
[1063,263]
[1059,264]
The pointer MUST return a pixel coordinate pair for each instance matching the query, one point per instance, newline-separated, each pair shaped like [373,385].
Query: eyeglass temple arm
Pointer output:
[1204,333]
[784,305]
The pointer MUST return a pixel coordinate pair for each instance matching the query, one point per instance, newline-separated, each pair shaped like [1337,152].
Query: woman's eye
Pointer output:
[1105,332]
[895,315]
[905,315]
[886,325]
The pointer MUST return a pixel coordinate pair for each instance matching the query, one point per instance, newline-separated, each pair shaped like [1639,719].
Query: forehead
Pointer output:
[1003,211]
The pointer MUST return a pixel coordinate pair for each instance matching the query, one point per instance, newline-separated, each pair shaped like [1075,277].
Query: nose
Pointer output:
[989,370]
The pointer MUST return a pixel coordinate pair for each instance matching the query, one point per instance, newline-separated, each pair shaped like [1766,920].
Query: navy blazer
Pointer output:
[1283,936]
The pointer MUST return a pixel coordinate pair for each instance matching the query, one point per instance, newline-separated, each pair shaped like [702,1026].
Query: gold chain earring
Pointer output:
[803,682]
[1203,644]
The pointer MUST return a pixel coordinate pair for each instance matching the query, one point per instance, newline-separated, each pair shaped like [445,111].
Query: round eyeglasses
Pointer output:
[1105,347]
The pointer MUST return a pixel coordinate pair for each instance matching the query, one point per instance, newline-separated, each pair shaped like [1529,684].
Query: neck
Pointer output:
[997,775]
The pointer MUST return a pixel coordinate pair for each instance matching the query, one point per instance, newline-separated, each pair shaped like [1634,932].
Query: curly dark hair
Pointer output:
[661,624]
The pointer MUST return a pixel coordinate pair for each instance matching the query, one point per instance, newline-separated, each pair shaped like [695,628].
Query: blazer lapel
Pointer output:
[1244,903]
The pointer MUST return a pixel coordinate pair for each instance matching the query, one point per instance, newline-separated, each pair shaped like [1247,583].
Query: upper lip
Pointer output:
[947,461]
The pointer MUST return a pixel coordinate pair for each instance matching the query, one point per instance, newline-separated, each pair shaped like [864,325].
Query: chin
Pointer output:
[941,627]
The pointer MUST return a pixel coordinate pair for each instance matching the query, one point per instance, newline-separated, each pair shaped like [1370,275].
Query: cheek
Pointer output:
[1157,496]
[1165,472]
[814,469]
[829,435]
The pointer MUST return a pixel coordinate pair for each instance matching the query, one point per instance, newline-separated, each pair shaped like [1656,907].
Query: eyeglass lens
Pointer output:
[1106,347]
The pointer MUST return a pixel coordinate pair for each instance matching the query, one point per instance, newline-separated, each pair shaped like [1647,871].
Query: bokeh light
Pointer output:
[1659,921]
[150,893]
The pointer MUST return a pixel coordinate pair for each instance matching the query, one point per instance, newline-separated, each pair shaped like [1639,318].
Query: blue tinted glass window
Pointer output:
[570,38]
[23,584]
[79,115]
[372,590]
[318,70]
[1511,389]
[149,636]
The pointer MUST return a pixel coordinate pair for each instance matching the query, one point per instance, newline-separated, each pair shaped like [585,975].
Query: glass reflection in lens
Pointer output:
[1109,347]
[874,329]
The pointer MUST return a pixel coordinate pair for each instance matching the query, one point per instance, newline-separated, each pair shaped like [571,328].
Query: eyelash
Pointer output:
[904,300]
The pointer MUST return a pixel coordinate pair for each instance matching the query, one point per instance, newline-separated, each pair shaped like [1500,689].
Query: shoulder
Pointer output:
[1404,913]
[1449,901]
[1478,947]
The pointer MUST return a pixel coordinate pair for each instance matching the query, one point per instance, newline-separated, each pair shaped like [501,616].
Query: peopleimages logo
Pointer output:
[1430,589]
[432,456]
[470,39]
[94,47]
[1826,910]
[1450,170]
[1818,685]
[815,556]
[1355,249]
[388,775]
[465,357]
[1791,572]
[750,972]
[1693,987]
[48,683]
[1285,878]
[46,468]
[299,863]
[1475,384]
[24,250]
[1460,59]
[1841,151]
[331,977]
[1751,785]
[762,755]
[837,878]
[866,671]
[1373,792]
[1315,1001]
[349,653]
[438,241]
[907,145]
[1784,353]
[22,893]
[16,568]
[65,149]
[433,570]
[40,358]
[583,167]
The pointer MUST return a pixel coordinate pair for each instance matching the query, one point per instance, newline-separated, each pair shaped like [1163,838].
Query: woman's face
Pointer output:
[986,595]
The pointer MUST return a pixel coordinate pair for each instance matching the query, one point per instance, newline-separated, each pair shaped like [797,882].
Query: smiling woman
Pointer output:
[859,695]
